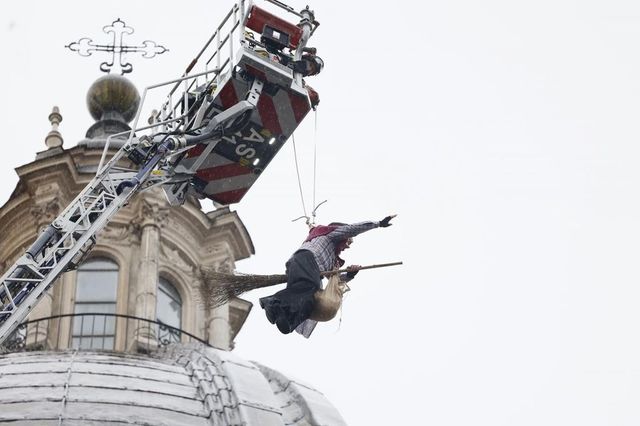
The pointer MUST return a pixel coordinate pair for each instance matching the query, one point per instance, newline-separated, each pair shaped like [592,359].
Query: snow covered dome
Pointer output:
[178,385]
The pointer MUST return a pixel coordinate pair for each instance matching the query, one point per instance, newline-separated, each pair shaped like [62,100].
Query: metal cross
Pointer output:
[85,47]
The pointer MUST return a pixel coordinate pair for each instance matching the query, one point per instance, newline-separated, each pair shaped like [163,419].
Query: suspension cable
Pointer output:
[310,220]
[315,158]
[295,156]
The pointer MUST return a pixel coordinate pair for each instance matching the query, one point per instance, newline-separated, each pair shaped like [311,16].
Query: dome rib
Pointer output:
[181,384]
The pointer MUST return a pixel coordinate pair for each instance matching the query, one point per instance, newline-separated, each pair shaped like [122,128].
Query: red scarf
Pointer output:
[321,230]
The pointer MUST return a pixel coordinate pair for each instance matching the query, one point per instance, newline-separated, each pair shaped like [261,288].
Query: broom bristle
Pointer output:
[222,287]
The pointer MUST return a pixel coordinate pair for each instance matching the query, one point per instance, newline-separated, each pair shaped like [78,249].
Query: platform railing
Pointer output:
[214,60]
[95,331]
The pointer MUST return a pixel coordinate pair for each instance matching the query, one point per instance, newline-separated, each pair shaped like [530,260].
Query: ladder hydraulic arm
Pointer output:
[63,244]
[198,115]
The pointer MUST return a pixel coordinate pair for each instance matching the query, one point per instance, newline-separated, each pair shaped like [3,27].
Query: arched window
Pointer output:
[168,311]
[95,294]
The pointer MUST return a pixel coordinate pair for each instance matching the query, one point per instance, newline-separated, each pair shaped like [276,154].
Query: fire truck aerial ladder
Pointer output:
[222,122]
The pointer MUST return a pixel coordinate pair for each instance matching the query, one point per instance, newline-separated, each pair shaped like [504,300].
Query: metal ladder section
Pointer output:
[152,149]
[62,245]
[209,66]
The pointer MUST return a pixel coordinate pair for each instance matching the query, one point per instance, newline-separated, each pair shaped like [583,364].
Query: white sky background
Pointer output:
[505,136]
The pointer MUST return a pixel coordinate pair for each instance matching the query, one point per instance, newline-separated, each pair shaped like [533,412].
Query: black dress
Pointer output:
[288,308]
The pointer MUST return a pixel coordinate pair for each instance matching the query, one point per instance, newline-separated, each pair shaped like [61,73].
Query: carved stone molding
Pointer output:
[225,265]
[176,259]
[46,188]
[126,234]
[45,213]
[153,214]
[217,249]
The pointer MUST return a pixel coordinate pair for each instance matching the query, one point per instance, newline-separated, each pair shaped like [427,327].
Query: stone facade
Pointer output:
[147,239]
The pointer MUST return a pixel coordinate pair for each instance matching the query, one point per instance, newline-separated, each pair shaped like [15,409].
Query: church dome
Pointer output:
[179,385]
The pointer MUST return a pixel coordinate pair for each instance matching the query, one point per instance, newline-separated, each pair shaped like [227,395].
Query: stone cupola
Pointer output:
[147,242]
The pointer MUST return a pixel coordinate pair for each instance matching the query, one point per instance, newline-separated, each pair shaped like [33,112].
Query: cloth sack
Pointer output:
[328,301]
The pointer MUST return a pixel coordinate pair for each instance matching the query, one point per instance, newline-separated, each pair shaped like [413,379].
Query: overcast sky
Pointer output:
[505,136]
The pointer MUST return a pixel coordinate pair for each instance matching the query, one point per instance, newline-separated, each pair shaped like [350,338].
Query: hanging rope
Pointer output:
[310,220]
[295,156]
[315,157]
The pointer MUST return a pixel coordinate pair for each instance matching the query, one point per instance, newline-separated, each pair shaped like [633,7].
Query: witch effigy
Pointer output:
[293,308]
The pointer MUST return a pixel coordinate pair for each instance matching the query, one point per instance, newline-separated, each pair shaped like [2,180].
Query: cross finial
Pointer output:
[85,47]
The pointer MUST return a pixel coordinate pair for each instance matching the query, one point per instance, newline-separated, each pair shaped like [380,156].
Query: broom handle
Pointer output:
[379,265]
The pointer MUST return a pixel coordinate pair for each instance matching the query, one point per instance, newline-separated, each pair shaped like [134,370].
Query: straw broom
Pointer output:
[222,287]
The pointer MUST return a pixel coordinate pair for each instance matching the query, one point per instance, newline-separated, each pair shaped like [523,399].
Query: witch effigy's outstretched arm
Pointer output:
[347,231]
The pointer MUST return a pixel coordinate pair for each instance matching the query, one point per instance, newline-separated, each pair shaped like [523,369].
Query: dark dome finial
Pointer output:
[112,101]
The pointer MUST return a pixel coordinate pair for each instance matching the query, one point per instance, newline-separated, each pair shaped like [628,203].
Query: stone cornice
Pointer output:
[63,162]
[12,207]
[231,224]
[65,166]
